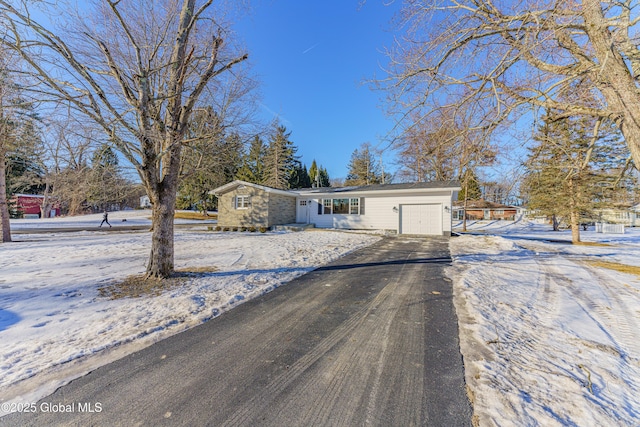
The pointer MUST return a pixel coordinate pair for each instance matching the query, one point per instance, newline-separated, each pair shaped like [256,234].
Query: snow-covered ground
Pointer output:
[55,326]
[548,337]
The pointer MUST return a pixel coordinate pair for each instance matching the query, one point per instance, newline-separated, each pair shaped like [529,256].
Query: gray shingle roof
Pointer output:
[383,187]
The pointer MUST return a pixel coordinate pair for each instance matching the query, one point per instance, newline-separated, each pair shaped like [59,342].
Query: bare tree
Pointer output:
[69,148]
[6,138]
[137,69]
[508,55]
[8,105]
[427,150]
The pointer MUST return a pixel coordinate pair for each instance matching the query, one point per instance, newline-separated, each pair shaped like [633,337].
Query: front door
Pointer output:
[303,212]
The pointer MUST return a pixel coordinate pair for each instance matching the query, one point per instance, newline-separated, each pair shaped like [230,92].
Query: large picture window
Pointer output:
[340,206]
[353,206]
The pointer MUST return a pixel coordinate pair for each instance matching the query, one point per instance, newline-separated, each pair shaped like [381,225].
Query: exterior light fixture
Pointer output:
[395,209]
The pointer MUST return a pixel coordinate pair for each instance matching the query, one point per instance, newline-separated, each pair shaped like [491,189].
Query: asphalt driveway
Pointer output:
[371,339]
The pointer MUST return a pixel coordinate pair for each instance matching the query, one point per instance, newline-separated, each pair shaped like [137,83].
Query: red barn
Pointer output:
[29,204]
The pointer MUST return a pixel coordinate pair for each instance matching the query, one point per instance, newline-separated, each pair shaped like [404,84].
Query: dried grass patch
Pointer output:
[139,286]
[592,244]
[194,215]
[622,268]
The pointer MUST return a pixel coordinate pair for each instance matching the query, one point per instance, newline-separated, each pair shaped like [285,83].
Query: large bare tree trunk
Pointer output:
[615,78]
[163,200]
[161,257]
[5,225]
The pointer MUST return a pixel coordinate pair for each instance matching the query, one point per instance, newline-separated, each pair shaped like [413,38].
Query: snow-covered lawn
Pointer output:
[549,336]
[54,325]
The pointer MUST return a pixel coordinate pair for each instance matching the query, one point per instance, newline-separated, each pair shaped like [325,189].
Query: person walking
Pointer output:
[105,218]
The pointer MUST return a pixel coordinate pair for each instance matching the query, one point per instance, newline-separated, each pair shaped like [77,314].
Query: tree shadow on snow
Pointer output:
[7,319]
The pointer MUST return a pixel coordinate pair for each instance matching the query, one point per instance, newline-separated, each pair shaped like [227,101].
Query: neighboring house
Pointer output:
[29,205]
[145,202]
[629,216]
[483,210]
[409,208]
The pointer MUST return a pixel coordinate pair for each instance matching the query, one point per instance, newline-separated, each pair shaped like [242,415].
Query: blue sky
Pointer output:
[312,58]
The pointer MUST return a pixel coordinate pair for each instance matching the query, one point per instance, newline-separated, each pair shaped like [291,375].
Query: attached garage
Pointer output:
[421,219]
[420,208]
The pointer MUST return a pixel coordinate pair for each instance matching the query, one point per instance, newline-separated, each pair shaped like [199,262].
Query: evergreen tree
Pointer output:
[280,159]
[363,167]
[252,169]
[470,186]
[300,177]
[323,177]
[318,176]
[568,169]
[313,173]
[211,159]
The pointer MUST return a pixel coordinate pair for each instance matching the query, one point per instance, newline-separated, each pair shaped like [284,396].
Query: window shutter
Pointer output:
[233,203]
[361,205]
[320,207]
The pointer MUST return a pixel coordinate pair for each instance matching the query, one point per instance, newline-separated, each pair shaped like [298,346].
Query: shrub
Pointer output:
[225,229]
[243,229]
[234,229]
[252,229]
[218,228]
[263,229]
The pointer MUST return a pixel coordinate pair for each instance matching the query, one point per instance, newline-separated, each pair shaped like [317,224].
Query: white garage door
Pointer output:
[421,219]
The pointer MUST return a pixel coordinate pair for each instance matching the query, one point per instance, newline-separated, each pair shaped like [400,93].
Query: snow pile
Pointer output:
[549,338]
[52,316]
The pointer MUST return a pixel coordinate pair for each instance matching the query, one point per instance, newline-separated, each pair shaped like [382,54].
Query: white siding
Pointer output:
[379,211]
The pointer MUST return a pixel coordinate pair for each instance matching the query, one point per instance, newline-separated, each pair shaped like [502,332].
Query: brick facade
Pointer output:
[265,209]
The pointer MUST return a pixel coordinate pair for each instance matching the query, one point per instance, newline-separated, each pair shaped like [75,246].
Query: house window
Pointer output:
[354,208]
[327,206]
[303,203]
[340,206]
[499,211]
[242,202]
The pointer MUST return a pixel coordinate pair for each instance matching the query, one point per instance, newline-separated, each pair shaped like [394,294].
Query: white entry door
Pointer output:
[421,219]
[302,214]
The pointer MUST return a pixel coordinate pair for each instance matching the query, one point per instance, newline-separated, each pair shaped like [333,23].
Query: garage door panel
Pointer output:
[421,219]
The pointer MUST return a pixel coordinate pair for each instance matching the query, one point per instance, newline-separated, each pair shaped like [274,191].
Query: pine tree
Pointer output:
[252,169]
[300,177]
[313,173]
[318,176]
[568,168]
[363,168]
[280,159]
[323,177]
[212,160]
[470,186]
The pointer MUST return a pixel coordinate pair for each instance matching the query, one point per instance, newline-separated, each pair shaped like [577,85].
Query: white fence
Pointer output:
[603,227]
